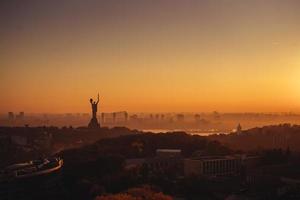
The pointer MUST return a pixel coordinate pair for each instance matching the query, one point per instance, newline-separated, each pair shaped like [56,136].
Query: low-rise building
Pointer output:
[165,159]
[168,152]
[229,165]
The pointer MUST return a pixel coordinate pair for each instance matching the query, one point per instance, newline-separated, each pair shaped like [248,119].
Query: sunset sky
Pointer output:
[152,56]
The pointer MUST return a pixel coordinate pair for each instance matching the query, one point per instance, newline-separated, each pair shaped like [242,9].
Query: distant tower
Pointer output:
[114,117]
[180,117]
[197,117]
[157,117]
[20,116]
[239,129]
[151,116]
[11,116]
[126,116]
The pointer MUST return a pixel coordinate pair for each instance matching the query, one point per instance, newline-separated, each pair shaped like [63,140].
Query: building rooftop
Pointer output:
[169,150]
[31,168]
[215,157]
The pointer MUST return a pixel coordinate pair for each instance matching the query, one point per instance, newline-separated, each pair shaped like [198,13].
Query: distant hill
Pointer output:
[268,137]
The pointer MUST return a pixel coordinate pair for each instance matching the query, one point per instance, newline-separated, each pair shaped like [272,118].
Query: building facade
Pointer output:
[213,166]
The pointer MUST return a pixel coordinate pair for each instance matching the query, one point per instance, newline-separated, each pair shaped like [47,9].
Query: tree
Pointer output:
[117,197]
[140,193]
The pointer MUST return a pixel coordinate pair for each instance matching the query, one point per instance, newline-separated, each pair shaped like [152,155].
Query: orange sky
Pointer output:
[152,56]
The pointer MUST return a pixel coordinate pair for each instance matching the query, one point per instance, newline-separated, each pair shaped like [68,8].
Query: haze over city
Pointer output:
[150,56]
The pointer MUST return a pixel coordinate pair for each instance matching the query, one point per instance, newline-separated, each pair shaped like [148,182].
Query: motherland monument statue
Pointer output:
[94,122]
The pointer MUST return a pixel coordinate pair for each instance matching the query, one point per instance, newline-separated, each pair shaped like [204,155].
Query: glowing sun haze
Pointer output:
[169,55]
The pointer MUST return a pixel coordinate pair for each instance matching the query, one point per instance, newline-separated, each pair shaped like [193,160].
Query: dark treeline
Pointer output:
[99,168]
[20,144]
[145,145]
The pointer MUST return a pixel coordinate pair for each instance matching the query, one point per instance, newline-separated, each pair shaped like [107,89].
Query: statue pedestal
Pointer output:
[94,123]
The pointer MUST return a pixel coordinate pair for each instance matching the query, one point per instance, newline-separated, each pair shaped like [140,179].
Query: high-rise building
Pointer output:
[20,116]
[114,117]
[11,116]
[180,117]
[197,117]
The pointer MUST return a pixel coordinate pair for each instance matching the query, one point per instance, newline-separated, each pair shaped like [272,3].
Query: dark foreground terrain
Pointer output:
[123,164]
